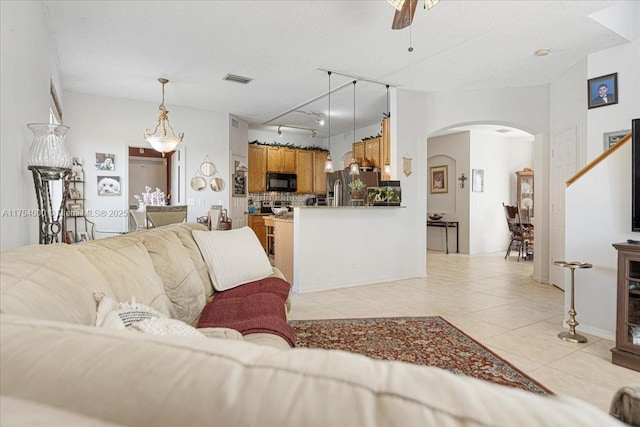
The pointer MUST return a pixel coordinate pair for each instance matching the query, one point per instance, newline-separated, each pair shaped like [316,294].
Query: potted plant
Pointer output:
[357,189]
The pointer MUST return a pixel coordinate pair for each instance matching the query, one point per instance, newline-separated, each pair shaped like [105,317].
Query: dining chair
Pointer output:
[521,235]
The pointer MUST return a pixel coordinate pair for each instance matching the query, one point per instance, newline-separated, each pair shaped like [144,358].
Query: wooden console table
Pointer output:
[446,225]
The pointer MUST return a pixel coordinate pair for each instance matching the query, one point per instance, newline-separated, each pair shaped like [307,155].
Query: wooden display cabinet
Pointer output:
[524,185]
[627,350]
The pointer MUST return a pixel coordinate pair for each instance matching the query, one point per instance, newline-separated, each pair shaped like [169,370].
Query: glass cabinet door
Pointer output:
[525,194]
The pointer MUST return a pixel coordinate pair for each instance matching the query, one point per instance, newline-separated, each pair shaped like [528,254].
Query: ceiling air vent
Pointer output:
[237,79]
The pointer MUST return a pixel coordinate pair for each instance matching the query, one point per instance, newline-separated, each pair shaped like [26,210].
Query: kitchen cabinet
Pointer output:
[385,148]
[627,350]
[372,148]
[257,168]
[357,152]
[283,241]
[304,166]
[524,185]
[256,223]
[281,159]
[319,175]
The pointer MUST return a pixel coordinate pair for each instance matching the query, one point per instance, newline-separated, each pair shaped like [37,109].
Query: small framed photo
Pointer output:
[611,138]
[239,185]
[477,180]
[76,209]
[74,193]
[83,236]
[105,162]
[108,185]
[439,176]
[69,238]
[603,90]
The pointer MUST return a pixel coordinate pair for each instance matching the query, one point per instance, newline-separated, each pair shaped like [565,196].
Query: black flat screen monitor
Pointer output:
[635,175]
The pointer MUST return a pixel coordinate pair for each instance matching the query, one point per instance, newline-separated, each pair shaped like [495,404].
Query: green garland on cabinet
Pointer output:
[289,145]
[372,137]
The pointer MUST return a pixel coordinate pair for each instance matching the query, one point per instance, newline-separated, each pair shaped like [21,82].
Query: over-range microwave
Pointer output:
[282,182]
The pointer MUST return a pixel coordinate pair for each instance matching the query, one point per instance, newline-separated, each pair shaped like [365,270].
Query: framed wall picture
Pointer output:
[603,90]
[108,185]
[439,176]
[477,180]
[74,193]
[105,162]
[239,185]
[76,209]
[611,138]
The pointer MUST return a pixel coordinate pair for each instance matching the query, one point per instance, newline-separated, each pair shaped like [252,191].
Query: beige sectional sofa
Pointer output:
[58,368]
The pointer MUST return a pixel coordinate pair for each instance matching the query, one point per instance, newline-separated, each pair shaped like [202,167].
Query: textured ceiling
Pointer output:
[120,48]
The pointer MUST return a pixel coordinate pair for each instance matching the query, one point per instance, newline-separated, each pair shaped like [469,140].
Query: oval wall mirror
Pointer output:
[207,168]
[198,183]
[217,184]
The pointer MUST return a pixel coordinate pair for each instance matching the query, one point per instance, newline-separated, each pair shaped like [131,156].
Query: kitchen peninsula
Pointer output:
[338,247]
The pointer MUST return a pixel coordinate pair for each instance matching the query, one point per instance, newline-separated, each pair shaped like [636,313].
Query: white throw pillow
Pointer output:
[114,315]
[233,257]
[142,318]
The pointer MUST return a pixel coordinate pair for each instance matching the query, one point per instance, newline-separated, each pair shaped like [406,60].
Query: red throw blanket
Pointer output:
[251,308]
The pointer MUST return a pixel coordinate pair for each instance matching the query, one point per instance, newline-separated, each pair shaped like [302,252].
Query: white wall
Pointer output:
[523,108]
[111,125]
[625,60]
[591,229]
[25,99]
[453,151]
[598,205]
[500,157]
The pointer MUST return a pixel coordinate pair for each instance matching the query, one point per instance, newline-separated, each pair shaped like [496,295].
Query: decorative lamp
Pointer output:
[328,164]
[159,139]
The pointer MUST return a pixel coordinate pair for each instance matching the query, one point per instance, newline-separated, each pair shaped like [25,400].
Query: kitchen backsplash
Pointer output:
[295,199]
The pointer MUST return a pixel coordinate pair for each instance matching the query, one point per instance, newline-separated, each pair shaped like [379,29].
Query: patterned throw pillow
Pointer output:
[138,317]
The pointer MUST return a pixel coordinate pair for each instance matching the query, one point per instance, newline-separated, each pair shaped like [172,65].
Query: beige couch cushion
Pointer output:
[17,412]
[128,268]
[54,282]
[179,276]
[183,231]
[134,379]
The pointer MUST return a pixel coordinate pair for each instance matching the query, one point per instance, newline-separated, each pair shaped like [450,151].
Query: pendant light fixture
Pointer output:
[328,164]
[387,165]
[354,167]
[159,139]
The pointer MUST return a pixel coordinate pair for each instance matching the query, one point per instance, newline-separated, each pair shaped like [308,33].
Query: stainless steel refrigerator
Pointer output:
[338,192]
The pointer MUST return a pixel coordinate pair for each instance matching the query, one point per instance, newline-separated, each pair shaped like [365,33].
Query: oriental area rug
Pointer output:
[421,340]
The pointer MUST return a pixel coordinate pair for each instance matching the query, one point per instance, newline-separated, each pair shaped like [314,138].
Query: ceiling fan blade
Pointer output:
[403,18]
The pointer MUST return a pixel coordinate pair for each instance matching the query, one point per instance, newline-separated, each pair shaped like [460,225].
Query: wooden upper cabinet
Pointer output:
[304,162]
[281,160]
[372,151]
[319,175]
[386,148]
[257,168]
[358,152]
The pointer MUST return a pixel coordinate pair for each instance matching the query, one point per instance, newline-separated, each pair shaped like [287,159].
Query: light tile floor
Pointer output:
[496,302]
